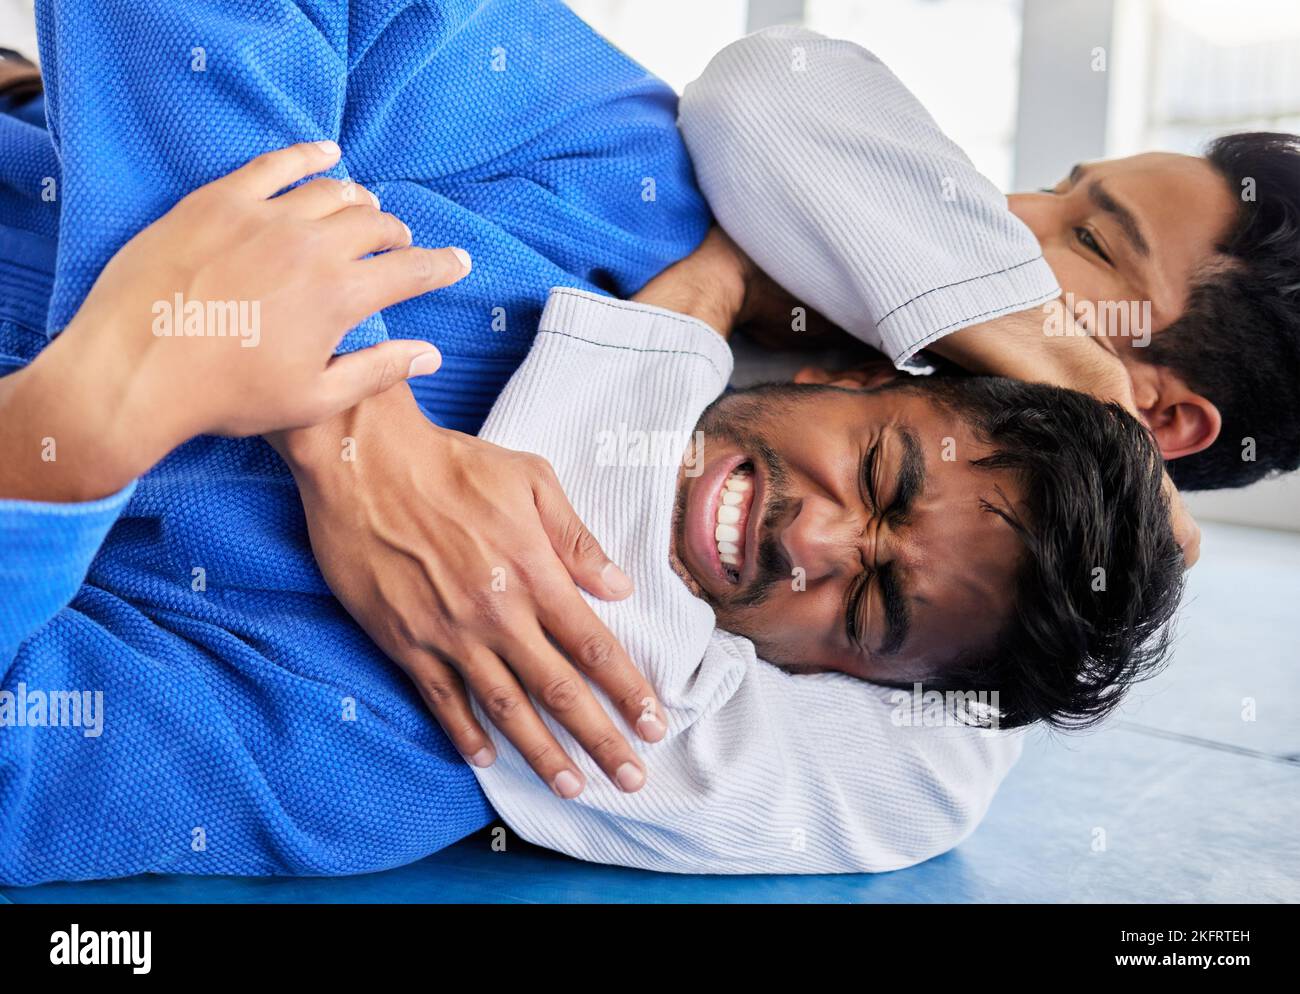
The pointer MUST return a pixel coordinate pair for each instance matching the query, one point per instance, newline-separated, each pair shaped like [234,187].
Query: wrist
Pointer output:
[319,453]
[139,410]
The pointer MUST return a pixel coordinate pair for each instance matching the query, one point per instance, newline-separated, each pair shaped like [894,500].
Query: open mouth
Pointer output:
[720,524]
[734,499]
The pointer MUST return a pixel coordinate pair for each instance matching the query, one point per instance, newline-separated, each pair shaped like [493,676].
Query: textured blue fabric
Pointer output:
[507,127]
[229,674]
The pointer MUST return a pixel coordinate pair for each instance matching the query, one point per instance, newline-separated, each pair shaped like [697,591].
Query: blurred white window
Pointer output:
[960,57]
[674,39]
[1190,70]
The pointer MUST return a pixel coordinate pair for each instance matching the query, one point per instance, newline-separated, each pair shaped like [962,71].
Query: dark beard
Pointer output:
[737,417]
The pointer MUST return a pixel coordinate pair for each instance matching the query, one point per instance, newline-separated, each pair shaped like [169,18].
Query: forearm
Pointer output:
[70,448]
[840,186]
[74,426]
[1018,346]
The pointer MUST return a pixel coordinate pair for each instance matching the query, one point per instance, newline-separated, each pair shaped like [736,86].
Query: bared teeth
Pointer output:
[732,515]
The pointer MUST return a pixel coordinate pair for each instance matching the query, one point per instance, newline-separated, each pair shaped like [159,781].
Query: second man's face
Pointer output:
[1129,231]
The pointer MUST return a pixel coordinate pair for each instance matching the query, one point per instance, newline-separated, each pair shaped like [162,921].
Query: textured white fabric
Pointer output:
[838,183]
[762,771]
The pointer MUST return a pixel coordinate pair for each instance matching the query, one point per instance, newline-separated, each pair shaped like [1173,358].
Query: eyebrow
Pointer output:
[1125,218]
[911,473]
[911,483]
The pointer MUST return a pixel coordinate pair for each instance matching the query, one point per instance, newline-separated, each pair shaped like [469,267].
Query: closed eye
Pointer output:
[908,488]
[857,592]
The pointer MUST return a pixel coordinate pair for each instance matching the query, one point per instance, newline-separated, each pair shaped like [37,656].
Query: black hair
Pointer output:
[1238,341]
[1101,574]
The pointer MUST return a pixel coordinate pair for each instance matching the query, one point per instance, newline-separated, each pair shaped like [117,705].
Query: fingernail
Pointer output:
[425,363]
[566,784]
[629,777]
[616,580]
[329,147]
[373,197]
[464,258]
[483,758]
[651,728]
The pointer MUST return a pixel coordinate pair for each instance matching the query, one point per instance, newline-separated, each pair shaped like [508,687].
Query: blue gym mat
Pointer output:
[1177,798]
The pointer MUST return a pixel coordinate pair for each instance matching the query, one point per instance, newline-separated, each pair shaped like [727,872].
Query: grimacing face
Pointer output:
[849,542]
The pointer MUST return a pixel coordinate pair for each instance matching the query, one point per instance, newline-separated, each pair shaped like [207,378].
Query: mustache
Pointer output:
[738,417]
[772,565]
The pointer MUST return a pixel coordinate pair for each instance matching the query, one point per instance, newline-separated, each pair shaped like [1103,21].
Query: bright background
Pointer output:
[1013,82]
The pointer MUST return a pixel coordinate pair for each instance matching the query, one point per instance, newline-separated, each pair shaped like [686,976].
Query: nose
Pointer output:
[824,538]
[1037,211]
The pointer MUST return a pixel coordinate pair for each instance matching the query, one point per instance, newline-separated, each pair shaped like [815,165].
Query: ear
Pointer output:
[1182,421]
[869,375]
